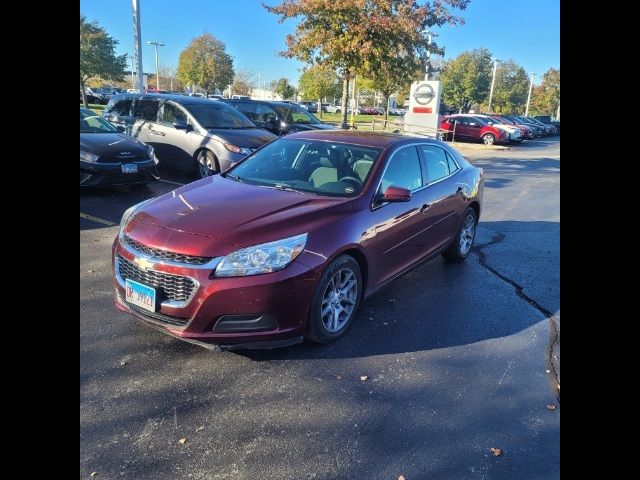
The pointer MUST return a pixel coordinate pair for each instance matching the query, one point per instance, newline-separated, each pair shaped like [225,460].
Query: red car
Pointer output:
[466,128]
[286,244]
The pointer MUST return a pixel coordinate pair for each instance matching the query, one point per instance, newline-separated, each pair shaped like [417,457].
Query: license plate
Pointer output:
[140,295]
[129,168]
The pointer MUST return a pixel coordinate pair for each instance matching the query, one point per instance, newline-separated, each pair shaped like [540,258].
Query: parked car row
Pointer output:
[493,129]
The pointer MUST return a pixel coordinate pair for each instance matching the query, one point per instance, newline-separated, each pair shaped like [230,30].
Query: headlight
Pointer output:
[128,213]
[265,258]
[152,154]
[88,156]
[234,149]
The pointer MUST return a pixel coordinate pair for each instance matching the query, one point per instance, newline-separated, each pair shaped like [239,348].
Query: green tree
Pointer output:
[283,88]
[545,98]
[510,89]
[97,56]
[359,36]
[317,82]
[205,63]
[466,80]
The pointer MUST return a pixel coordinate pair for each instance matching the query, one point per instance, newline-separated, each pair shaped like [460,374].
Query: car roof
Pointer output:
[182,99]
[369,139]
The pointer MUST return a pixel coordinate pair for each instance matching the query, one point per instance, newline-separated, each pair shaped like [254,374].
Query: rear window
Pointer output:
[147,110]
[119,107]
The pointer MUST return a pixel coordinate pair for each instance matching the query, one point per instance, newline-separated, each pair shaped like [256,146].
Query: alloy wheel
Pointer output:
[339,300]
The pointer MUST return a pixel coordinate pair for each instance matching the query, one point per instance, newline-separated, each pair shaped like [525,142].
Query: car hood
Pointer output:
[506,128]
[314,126]
[239,214]
[111,143]
[250,137]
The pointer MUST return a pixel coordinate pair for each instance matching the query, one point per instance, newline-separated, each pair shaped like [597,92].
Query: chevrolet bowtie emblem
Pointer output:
[143,263]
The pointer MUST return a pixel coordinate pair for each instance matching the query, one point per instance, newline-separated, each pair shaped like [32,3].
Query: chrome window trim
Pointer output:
[374,207]
[166,303]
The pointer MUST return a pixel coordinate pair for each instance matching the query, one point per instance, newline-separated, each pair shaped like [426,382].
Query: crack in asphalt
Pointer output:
[555,330]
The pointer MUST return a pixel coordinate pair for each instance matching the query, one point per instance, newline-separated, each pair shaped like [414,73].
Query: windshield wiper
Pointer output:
[234,177]
[287,188]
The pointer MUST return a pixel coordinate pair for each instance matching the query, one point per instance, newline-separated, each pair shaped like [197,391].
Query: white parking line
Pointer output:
[97,220]
[169,181]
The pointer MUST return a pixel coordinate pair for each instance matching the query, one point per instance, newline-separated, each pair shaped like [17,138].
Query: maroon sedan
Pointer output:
[467,128]
[287,243]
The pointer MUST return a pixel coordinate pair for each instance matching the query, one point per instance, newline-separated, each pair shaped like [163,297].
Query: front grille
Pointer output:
[123,158]
[165,255]
[170,287]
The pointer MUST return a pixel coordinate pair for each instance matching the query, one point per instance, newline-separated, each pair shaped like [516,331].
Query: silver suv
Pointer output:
[188,132]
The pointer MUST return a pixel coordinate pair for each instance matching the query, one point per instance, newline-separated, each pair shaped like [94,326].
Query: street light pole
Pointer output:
[137,41]
[430,36]
[171,77]
[526,113]
[156,45]
[493,81]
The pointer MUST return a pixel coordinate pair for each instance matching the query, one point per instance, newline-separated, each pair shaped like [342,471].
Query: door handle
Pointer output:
[425,207]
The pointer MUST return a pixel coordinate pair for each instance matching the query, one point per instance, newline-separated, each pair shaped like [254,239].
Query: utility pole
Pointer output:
[156,45]
[493,81]
[137,42]
[526,113]
[133,83]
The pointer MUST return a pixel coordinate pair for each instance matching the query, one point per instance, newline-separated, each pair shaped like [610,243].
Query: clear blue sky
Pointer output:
[527,31]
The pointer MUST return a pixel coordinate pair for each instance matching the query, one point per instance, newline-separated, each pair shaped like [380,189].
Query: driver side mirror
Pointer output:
[182,125]
[395,194]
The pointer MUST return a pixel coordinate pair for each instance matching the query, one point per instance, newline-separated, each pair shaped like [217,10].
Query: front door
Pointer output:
[172,145]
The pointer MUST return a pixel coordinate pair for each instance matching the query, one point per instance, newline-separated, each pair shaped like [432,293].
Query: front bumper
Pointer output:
[284,297]
[93,174]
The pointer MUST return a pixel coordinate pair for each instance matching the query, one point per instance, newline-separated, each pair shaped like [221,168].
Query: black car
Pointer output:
[546,119]
[95,98]
[280,118]
[109,157]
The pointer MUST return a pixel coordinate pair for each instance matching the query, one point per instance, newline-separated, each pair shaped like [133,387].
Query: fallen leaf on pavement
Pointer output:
[401,477]
[496,451]
[551,407]
[182,441]
[93,474]
[338,377]
[364,377]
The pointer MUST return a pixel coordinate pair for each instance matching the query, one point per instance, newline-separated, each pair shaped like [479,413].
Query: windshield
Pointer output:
[218,115]
[308,166]
[95,124]
[481,120]
[295,114]
[502,120]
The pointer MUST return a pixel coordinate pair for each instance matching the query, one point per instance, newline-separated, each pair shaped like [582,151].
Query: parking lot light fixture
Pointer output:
[526,113]
[493,81]
[156,45]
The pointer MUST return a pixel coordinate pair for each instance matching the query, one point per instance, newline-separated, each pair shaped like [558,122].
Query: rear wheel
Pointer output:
[460,248]
[335,301]
[206,164]
[488,139]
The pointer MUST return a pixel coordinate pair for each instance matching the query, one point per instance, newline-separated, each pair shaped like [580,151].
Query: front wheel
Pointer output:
[460,248]
[488,139]
[335,301]
[206,164]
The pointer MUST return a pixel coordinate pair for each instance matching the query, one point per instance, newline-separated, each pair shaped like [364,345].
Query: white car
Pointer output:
[333,108]
[133,90]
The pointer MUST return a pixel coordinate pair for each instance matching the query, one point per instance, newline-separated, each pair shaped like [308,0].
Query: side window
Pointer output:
[171,113]
[436,161]
[403,170]
[121,108]
[264,113]
[453,167]
[247,108]
[147,110]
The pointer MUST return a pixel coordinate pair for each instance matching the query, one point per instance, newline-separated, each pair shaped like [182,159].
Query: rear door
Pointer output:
[444,195]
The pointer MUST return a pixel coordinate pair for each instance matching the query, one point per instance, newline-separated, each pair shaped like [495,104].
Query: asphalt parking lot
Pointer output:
[459,359]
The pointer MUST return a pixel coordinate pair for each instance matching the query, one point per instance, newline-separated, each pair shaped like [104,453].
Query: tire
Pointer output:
[338,110]
[459,250]
[326,329]
[206,164]
[488,139]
